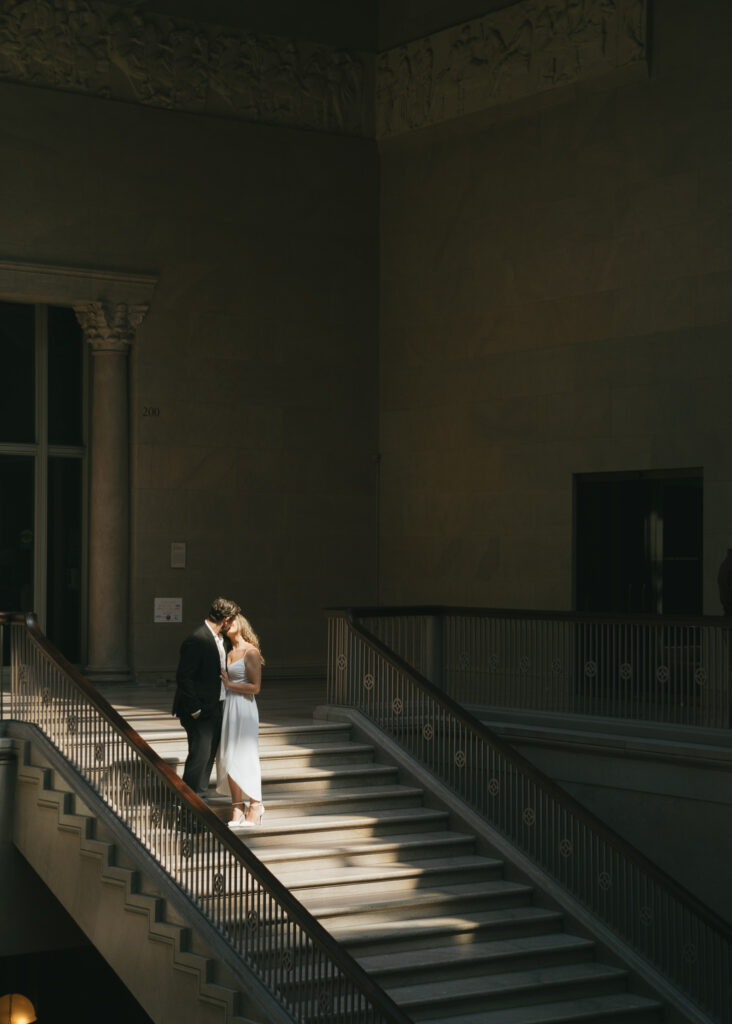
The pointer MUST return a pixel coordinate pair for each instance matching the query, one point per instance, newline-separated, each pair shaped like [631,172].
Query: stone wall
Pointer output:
[253,385]
[556,298]
[665,790]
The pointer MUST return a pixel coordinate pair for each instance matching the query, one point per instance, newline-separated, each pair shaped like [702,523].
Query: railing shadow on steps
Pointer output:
[293,956]
[681,938]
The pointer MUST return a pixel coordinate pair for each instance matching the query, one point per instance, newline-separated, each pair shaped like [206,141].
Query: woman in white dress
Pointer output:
[237,761]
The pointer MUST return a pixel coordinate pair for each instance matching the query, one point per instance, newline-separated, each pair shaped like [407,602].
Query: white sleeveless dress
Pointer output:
[238,754]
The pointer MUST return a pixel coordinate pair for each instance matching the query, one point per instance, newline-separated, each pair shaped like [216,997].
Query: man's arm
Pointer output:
[191,652]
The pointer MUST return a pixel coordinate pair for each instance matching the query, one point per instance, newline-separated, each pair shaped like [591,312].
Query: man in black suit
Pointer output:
[199,690]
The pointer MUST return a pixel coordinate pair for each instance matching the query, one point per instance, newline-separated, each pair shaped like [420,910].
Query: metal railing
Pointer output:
[307,971]
[648,910]
[649,668]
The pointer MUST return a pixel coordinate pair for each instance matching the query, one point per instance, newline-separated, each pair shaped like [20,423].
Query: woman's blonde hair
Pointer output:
[245,628]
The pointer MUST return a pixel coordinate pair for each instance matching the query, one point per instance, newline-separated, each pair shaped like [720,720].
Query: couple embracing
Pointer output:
[219,673]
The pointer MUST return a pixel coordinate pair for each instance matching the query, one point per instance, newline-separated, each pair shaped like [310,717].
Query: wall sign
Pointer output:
[168,609]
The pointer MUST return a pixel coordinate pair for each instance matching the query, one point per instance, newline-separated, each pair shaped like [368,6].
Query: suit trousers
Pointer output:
[203,742]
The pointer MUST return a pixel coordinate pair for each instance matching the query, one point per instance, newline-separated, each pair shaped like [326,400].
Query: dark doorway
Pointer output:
[638,542]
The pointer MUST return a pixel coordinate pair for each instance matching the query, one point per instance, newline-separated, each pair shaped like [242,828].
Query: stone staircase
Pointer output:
[440,923]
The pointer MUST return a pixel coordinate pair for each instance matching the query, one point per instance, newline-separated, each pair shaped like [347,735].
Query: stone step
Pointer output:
[503,991]
[338,821]
[159,731]
[323,779]
[356,883]
[618,1008]
[368,938]
[396,849]
[333,777]
[346,826]
[401,905]
[275,759]
[462,960]
[299,857]
[300,804]
[306,779]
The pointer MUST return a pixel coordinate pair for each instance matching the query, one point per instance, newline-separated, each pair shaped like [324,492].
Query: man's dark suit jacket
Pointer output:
[199,674]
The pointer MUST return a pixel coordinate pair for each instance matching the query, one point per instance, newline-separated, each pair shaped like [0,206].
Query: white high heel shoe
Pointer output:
[236,822]
[253,824]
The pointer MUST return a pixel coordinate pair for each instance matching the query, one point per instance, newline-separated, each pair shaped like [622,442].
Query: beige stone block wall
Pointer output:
[253,380]
[556,298]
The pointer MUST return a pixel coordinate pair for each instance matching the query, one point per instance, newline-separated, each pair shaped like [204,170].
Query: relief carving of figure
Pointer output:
[189,66]
[231,74]
[420,92]
[404,79]
[344,85]
[263,61]
[385,94]
[460,68]
[285,83]
[569,38]
[125,48]
[315,83]
[633,38]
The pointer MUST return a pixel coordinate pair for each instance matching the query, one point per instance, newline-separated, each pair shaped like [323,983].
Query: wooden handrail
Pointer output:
[394,611]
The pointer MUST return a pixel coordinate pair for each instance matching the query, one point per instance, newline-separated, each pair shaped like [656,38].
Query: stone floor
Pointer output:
[281,702]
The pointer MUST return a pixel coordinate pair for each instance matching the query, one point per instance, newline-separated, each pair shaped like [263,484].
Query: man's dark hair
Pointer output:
[222,608]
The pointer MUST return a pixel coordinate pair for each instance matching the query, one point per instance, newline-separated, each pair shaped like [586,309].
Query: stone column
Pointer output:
[110,329]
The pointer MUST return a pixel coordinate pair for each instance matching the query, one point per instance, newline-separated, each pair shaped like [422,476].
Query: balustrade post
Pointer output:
[436,673]
[2,671]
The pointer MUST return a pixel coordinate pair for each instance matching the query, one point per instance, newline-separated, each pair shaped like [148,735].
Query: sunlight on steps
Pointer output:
[429,914]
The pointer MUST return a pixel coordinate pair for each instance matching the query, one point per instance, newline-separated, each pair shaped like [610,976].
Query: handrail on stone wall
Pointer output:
[672,929]
[305,969]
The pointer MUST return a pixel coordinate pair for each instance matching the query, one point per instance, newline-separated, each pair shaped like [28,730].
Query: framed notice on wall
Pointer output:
[168,609]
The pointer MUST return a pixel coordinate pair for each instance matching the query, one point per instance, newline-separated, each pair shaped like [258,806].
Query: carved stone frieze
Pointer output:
[109,326]
[119,51]
[519,51]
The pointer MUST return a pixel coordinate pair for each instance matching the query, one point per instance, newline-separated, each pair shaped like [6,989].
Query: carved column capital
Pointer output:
[110,326]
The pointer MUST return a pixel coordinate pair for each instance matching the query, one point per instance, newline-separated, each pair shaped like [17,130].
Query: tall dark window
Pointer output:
[18,387]
[42,462]
[17,501]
